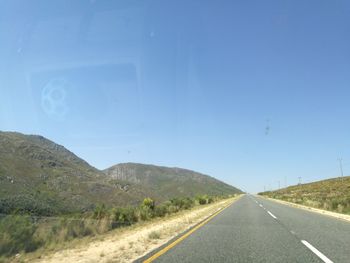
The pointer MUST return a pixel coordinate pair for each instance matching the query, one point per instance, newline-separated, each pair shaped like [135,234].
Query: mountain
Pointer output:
[164,183]
[332,194]
[41,177]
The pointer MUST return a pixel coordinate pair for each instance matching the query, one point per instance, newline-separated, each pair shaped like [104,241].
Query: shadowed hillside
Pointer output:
[332,194]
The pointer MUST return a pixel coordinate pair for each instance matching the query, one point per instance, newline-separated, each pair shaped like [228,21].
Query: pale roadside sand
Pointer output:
[130,243]
[309,208]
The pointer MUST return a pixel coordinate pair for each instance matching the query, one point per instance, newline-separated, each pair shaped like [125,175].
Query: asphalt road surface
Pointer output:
[254,229]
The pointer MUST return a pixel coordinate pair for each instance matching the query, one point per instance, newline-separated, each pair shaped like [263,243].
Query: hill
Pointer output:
[331,194]
[40,177]
[165,183]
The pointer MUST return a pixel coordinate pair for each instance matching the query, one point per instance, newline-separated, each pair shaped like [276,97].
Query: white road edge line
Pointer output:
[318,253]
[260,205]
[272,215]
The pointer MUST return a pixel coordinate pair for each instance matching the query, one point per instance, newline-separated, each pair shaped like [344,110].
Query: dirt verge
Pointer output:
[129,243]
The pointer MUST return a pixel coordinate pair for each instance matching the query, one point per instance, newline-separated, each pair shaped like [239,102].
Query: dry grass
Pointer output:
[332,194]
[154,235]
[129,243]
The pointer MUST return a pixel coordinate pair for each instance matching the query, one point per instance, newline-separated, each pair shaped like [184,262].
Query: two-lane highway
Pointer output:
[254,229]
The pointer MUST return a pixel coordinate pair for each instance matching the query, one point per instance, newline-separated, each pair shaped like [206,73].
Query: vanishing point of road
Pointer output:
[254,229]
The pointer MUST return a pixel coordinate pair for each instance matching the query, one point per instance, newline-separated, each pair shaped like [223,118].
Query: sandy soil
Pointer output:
[130,243]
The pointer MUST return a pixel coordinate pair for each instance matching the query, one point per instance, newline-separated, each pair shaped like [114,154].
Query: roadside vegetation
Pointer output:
[332,194]
[21,233]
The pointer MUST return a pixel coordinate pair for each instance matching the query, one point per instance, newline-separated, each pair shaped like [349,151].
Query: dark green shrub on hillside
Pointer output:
[26,204]
[146,213]
[147,209]
[161,210]
[202,200]
[125,215]
[17,234]
[149,203]
[100,212]
[182,203]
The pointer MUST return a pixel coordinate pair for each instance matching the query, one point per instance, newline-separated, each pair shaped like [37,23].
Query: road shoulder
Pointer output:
[151,256]
[312,209]
[130,243]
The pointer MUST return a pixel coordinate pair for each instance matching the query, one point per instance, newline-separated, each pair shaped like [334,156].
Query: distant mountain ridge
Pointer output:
[41,177]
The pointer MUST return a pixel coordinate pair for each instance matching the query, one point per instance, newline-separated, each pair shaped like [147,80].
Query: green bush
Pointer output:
[173,209]
[146,213]
[161,210]
[182,203]
[149,203]
[147,209]
[202,200]
[17,234]
[100,212]
[125,215]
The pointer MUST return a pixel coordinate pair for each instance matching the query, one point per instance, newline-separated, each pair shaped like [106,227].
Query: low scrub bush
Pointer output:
[17,234]
[154,235]
[182,203]
[125,215]
[202,199]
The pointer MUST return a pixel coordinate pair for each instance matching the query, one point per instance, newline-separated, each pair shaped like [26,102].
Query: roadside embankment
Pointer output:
[129,243]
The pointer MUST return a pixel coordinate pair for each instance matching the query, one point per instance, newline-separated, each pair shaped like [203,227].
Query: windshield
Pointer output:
[119,113]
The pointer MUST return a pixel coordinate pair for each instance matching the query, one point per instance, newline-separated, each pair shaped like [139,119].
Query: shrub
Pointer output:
[182,203]
[334,204]
[147,209]
[154,235]
[125,215]
[148,202]
[100,212]
[210,200]
[146,213]
[17,234]
[161,210]
[173,209]
[68,229]
[202,200]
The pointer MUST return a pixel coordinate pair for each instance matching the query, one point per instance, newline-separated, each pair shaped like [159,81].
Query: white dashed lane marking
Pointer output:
[305,243]
[271,214]
[316,252]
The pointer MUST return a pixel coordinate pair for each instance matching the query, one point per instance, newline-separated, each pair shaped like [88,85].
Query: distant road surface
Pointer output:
[254,229]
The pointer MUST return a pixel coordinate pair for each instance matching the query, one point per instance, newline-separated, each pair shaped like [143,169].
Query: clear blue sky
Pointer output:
[250,92]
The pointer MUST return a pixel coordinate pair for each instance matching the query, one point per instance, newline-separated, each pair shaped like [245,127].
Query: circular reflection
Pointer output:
[53,98]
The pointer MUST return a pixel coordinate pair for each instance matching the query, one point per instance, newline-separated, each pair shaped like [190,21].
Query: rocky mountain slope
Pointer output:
[168,182]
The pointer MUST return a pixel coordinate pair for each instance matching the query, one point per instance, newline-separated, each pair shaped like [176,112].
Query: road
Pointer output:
[254,229]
